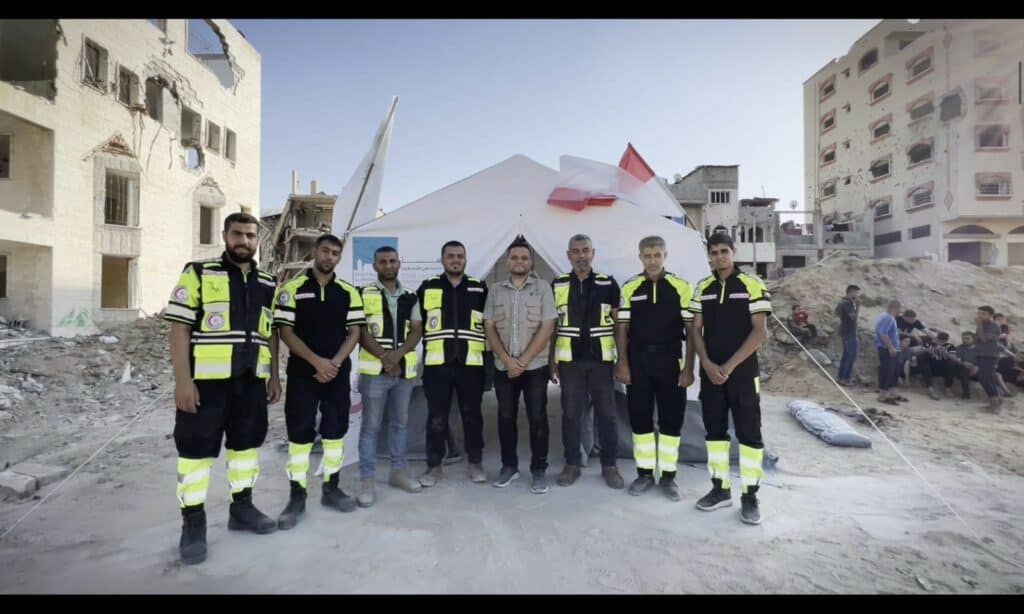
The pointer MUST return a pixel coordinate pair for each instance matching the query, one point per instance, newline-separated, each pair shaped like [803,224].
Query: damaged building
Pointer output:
[919,126]
[288,238]
[123,146]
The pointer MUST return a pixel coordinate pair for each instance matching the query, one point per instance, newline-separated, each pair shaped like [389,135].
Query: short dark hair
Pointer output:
[720,238]
[967,333]
[239,218]
[904,336]
[519,241]
[1005,329]
[852,288]
[383,249]
[909,313]
[943,336]
[987,309]
[451,244]
[998,315]
[328,238]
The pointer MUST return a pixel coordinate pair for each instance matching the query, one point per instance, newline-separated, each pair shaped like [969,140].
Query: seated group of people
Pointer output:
[930,354]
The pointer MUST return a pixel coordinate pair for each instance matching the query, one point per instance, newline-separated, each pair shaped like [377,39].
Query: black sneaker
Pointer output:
[538,482]
[506,476]
[749,512]
[717,497]
[641,485]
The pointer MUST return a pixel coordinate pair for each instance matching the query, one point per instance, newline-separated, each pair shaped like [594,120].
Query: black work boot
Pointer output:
[717,497]
[243,515]
[192,546]
[334,497]
[295,508]
[669,487]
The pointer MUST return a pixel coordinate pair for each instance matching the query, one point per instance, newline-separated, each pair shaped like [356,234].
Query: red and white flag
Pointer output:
[588,183]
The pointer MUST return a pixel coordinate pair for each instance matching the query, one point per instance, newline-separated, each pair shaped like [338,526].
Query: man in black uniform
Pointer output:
[319,317]
[224,353]
[653,320]
[452,309]
[731,310]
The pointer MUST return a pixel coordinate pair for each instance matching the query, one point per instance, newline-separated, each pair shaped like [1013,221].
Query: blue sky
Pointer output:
[472,93]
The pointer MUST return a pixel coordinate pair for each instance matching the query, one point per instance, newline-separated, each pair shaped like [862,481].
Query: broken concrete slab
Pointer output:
[43,474]
[18,484]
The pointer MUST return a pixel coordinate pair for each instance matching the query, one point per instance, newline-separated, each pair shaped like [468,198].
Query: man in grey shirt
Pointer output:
[519,317]
[848,310]
[988,355]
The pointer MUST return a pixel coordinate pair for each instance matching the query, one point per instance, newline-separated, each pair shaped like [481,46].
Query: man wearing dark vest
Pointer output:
[452,309]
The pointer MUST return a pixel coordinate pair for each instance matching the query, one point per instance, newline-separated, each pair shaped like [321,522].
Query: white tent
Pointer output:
[487,210]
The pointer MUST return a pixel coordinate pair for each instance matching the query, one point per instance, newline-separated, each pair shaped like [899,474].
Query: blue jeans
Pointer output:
[849,356]
[380,394]
[887,366]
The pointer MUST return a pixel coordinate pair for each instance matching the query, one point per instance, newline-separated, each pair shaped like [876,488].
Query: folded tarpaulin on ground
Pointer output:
[826,425]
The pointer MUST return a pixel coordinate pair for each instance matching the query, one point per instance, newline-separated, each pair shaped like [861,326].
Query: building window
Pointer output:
[5,156]
[919,197]
[905,42]
[918,232]
[127,86]
[207,223]
[3,275]
[921,109]
[987,91]
[919,65]
[881,168]
[119,199]
[951,107]
[212,136]
[846,144]
[888,237]
[114,280]
[95,68]
[846,181]
[993,184]
[883,208]
[827,88]
[828,156]
[191,127]
[161,24]
[828,121]
[920,153]
[880,89]
[828,190]
[846,107]
[155,98]
[867,60]
[881,128]
[992,137]
[794,262]
[230,145]
[719,197]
